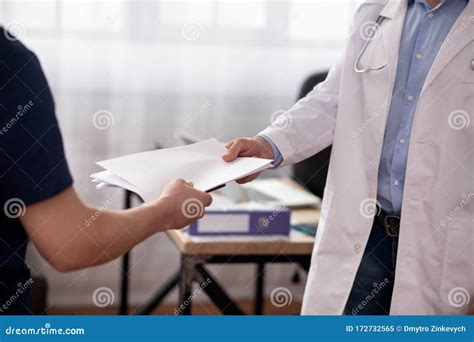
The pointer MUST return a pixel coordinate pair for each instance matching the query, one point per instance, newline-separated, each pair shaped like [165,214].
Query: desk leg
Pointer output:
[260,287]
[186,285]
[216,292]
[123,310]
[124,284]
[160,294]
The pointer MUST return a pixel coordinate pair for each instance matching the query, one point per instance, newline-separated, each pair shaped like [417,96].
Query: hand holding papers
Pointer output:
[147,173]
[257,147]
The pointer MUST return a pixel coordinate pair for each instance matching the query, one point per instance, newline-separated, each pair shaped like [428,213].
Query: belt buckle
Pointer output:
[389,229]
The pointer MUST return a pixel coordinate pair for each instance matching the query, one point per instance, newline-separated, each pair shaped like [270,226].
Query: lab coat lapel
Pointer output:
[394,14]
[381,87]
[458,37]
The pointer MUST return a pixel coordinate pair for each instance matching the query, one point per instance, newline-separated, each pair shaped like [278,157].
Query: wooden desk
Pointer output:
[195,254]
[298,243]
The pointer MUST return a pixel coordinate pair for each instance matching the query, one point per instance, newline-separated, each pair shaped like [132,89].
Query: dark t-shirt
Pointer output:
[32,163]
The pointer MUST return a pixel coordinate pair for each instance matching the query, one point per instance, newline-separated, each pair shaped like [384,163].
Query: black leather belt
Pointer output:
[391,222]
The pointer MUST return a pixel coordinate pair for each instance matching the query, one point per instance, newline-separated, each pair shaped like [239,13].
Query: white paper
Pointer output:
[147,173]
[105,178]
[289,196]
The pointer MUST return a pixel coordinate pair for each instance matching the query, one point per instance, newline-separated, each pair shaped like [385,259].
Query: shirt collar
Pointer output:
[426,3]
[428,7]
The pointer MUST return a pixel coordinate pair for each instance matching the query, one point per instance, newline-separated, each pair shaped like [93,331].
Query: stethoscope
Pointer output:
[360,69]
[357,66]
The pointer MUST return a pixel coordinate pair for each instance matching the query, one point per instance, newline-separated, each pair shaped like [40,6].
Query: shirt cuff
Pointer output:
[276,152]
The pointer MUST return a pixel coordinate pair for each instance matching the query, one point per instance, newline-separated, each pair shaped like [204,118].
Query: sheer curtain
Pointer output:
[157,69]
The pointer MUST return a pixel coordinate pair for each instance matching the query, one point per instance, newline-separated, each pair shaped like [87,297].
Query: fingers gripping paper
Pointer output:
[147,173]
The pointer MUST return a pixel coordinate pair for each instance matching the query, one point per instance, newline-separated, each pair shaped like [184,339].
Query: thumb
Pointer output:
[234,149]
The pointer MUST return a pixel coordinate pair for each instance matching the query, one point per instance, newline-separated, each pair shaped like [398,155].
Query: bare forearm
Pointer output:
[106,235]
[71,235]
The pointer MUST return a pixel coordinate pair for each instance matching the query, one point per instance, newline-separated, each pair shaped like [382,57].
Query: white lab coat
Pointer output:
[434,272]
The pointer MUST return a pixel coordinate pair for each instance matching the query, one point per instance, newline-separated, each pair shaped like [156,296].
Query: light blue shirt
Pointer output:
[424,31]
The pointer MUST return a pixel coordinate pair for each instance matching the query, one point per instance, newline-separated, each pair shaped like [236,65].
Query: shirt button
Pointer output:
[402,141]
[430,15]
[418,55]
[410,98]
[396,182]
[357,248]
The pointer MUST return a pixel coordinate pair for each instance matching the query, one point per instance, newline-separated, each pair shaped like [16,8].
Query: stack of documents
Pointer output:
[147,173]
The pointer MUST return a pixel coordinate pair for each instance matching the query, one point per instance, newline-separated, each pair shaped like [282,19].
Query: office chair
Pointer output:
[313,171]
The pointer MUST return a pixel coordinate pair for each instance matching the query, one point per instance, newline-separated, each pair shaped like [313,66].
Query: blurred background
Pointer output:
[157,69]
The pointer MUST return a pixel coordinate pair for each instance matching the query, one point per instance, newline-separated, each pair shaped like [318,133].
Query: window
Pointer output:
[319,20]
[99,15]
[33,15]
[253,22]
[241,14]
[182,12]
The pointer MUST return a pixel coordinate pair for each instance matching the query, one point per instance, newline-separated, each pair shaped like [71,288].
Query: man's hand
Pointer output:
[248,147]
[183,203]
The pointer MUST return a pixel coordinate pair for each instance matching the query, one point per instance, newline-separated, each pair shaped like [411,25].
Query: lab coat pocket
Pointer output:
[457,278]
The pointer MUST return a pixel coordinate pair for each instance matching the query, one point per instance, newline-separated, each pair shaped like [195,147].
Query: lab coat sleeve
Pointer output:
[308,127]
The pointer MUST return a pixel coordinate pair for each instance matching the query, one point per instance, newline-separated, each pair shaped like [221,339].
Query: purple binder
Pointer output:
[242,222]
